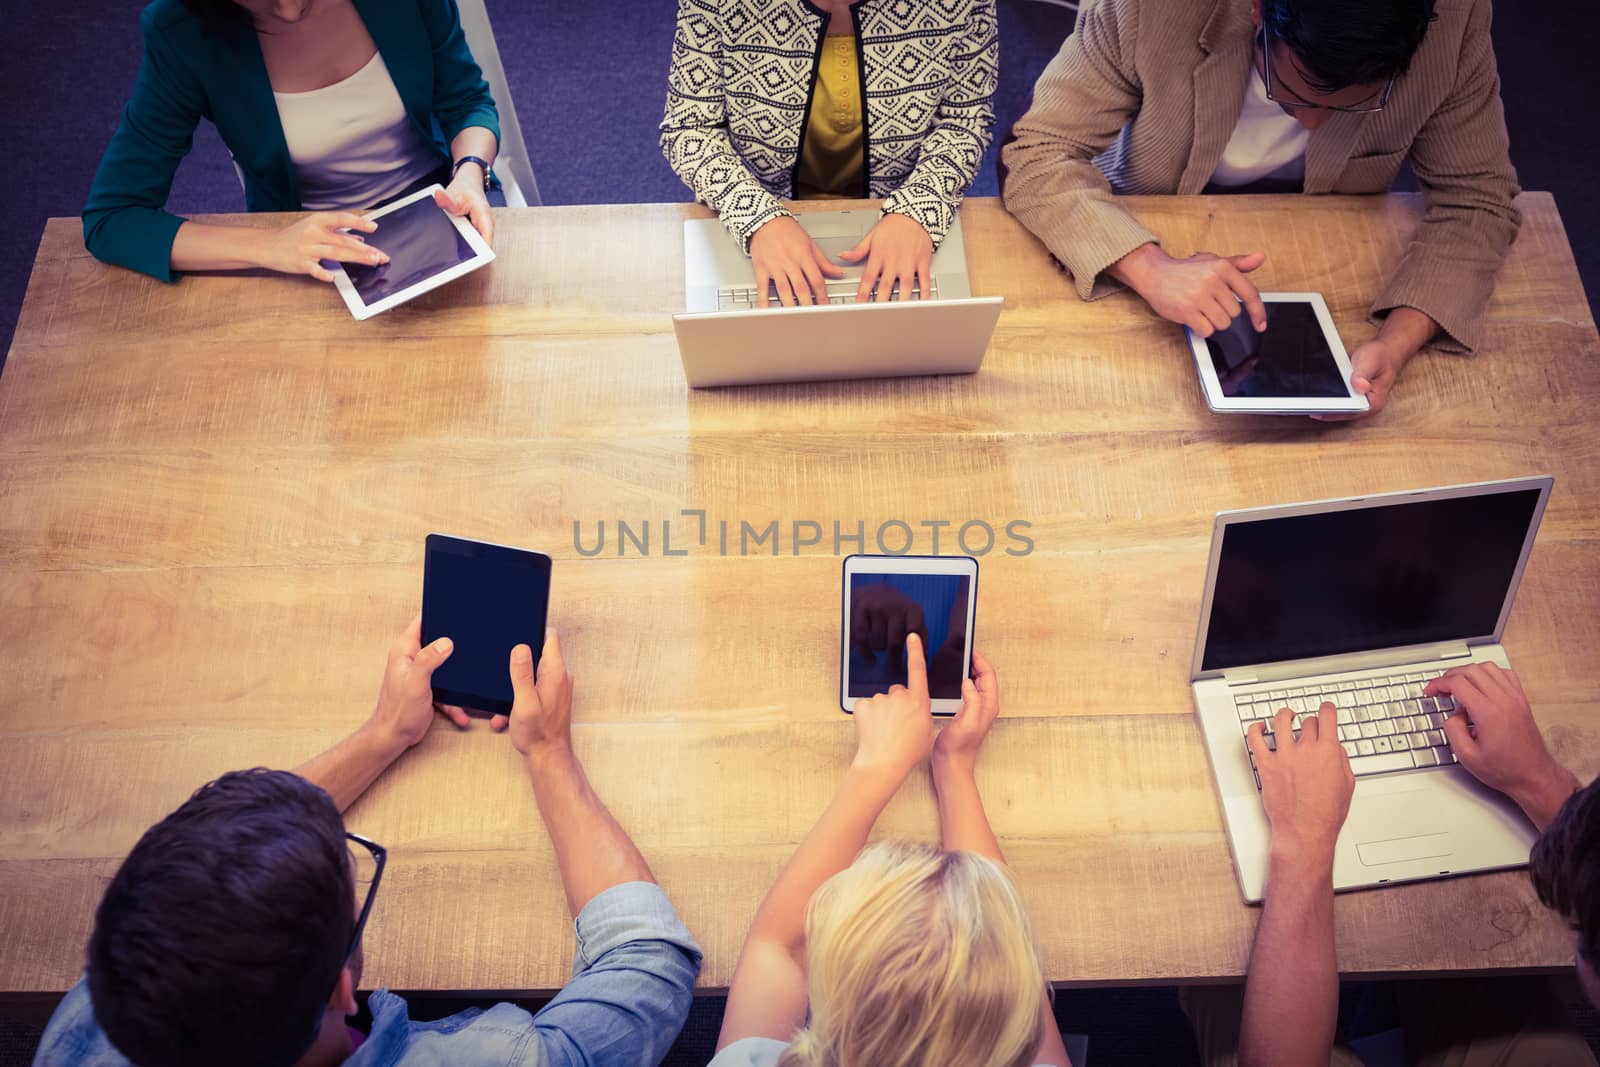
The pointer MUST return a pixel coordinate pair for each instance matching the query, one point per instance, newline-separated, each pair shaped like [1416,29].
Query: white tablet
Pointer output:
[427,247]
[888,597]
[1297,366]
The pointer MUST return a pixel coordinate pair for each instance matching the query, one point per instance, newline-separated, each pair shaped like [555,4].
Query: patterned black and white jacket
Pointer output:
[739,92]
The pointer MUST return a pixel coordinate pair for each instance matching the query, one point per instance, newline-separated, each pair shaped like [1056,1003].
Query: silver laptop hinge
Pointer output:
[1359,661]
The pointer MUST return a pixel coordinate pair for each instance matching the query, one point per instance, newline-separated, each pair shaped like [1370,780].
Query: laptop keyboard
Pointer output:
[1385,723]
[839,292]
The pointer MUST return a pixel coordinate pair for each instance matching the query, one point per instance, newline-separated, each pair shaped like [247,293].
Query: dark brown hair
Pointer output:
[1342,43]
[222,935]
[1565,868]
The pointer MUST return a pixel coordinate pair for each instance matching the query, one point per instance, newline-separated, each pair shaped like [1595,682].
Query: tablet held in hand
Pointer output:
[888,598]
[427,247]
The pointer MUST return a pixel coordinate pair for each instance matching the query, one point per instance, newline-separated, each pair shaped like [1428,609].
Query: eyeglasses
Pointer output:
[368,873]
[368,863]
[1297,104]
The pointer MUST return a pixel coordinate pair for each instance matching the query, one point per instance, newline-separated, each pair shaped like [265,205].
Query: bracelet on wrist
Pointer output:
[463,161]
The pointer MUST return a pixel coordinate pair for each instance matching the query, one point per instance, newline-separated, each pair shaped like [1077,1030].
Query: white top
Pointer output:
[351,142]
[1266,143]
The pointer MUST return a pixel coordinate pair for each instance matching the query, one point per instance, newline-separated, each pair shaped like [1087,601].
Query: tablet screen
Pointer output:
[886,607]
[487,605]
[1290,359]
[420,240]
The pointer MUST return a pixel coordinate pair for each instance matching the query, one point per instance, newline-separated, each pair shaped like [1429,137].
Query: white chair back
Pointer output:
[512,165]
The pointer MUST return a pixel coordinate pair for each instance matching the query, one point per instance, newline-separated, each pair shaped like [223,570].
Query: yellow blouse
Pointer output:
[833,163]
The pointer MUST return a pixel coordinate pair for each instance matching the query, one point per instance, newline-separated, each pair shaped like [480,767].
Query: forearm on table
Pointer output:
[593,851]
[1406,330]
[1133,268]
[1291,994]
[963,824]
[946,168]
[209,246]
[1542,800]
[346,770]
[1084,99]
[698,148]
[829,848]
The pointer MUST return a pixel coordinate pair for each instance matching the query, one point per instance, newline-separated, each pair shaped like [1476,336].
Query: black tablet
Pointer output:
[487,599]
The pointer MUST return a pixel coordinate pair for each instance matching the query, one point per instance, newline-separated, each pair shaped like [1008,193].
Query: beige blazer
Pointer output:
[1144,95]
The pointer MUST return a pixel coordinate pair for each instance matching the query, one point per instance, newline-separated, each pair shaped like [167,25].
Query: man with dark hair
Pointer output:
[231,934]
[1315,96]
[1566,874]
[1290,998]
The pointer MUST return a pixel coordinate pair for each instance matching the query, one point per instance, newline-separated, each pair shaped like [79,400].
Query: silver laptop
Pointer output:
[1362,602]
[725,339]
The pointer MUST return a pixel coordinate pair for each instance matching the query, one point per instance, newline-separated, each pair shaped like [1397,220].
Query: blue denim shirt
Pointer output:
[632,980]
[755,1052]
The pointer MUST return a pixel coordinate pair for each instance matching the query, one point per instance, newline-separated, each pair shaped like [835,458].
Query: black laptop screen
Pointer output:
[1365,578]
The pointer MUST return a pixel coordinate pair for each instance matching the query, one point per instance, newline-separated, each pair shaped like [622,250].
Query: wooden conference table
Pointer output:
[213,498]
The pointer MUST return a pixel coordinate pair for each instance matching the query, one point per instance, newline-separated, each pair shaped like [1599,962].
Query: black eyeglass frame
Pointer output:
[1265,40]
[380,857]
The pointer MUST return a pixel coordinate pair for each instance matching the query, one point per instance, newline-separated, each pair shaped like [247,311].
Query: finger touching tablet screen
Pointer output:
[426,246]
[1296,366]
[888,598]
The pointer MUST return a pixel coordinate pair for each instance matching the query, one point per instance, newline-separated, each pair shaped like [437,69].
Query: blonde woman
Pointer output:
[800,99]
[904,954]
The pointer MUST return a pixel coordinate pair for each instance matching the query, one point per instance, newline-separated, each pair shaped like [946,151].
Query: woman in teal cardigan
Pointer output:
[303,93]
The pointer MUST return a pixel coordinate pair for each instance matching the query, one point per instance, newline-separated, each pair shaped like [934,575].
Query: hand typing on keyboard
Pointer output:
[785,257]
[1495,737]
[899,258]
[1386,723]
[1306,782]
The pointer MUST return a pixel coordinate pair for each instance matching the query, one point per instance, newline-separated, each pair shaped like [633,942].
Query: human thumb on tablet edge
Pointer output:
[522,683]
[432,657]
[541,711]
[405,697]
[470,201]
[1374,369]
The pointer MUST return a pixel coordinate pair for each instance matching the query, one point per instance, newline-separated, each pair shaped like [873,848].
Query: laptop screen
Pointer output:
[1365,578]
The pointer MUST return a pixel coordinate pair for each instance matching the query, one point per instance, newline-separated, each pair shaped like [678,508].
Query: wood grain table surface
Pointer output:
[213,499]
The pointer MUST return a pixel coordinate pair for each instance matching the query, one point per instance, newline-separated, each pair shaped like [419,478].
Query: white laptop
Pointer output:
[1363,602]
[725,339]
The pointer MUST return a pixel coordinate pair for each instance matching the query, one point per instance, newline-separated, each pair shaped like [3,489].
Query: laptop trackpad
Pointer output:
[834,247]
[1399,827]
[1402,849]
